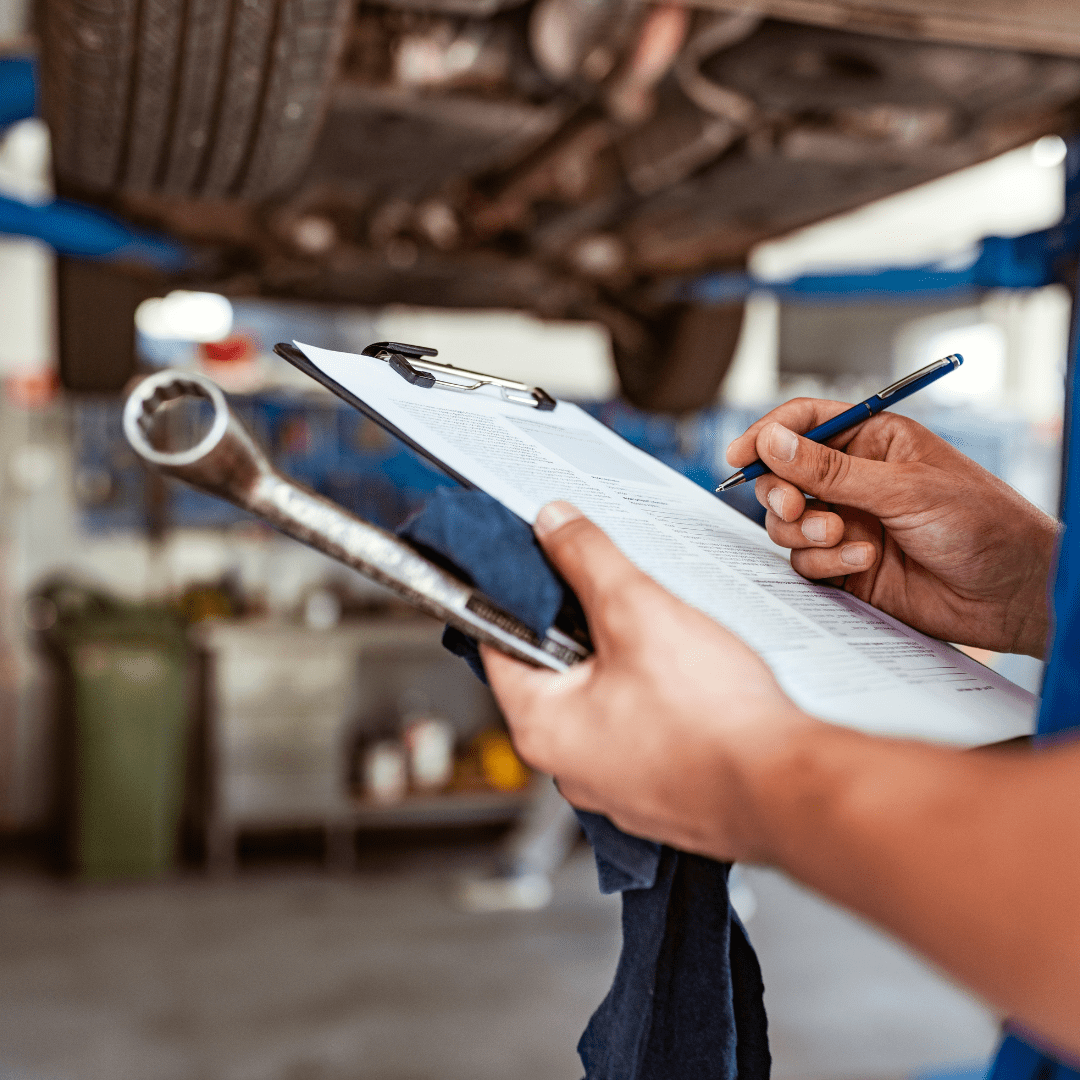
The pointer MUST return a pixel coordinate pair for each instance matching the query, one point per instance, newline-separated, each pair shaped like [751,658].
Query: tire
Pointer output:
[187,98]
[678,363]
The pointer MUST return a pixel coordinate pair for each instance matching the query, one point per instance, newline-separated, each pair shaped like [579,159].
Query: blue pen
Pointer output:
[858,413]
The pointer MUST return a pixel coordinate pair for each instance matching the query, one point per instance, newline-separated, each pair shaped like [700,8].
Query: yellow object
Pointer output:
[201,602]
[502,768]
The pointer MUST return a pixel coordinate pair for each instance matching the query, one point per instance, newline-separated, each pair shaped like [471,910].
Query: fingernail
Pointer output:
[783,443]
[813,528]
[554,516]
[855,554]
[775,499]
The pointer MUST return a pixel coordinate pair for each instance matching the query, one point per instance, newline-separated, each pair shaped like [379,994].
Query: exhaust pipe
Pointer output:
[228,463]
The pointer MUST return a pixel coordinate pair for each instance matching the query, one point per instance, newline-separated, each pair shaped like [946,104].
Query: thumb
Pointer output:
[586,557]
[831,475]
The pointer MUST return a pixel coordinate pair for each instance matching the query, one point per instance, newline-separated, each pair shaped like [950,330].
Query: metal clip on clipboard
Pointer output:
[410,362]
[227,462]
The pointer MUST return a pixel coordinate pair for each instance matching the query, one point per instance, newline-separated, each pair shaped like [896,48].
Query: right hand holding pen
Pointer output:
[906,522]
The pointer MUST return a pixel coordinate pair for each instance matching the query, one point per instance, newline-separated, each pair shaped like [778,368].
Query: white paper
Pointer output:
[837,657]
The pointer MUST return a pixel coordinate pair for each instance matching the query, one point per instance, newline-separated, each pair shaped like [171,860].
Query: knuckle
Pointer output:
[893,422]
[828,468]
[575,537]
[897,424]
[579,544]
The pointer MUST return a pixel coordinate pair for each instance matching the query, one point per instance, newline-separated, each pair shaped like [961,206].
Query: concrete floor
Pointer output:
[844,1001]
[296,975]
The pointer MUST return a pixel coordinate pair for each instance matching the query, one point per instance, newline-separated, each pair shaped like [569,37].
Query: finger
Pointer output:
[516,685]
[799,414]
[817,564]
[578,795]
[814,529]
[585,556]
[529,699]
[520,688]
[878,487]
[859,552]
[785,500]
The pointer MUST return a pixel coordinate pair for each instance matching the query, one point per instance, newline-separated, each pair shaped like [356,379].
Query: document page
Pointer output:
[837,657]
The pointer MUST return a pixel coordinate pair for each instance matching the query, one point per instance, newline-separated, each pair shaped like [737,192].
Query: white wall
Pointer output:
[27,344]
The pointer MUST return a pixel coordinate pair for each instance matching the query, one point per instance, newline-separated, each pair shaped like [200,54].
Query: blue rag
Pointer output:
[687,997]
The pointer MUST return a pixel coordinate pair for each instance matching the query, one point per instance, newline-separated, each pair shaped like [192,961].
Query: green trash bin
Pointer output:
[128,709]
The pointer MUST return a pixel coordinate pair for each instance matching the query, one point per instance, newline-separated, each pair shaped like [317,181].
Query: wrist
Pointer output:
[1032,603]
[771,782]
[1033,636]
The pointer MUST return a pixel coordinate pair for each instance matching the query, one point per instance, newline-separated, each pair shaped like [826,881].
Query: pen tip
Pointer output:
[730,482]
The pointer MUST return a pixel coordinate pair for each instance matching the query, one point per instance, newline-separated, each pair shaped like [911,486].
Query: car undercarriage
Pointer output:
[572,159]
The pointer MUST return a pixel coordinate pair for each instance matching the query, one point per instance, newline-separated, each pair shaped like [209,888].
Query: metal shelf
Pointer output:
[464,808]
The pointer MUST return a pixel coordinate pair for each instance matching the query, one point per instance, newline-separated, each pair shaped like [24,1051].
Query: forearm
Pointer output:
[971,857]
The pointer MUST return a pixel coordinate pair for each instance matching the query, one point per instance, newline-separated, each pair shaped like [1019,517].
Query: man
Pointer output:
[678,732]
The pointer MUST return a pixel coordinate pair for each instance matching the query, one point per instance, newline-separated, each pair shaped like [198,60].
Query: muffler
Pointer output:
[228,463]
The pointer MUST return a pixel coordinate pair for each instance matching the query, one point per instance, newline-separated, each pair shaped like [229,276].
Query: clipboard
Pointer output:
[414,364]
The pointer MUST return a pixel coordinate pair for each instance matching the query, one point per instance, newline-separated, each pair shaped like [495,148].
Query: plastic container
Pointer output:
[127,709]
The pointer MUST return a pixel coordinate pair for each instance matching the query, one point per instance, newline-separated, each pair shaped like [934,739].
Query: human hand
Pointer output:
[661,728]
[906,522]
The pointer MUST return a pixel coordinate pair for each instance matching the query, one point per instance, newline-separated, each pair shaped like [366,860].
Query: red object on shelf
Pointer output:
[231,350]
[32,390]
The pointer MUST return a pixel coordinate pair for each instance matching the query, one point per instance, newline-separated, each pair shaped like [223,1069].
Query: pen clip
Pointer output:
[952,360]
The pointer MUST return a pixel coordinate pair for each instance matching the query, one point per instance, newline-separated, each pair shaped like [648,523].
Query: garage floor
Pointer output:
[297,975]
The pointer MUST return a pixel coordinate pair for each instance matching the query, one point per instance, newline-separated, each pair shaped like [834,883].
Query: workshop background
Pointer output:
[254,821]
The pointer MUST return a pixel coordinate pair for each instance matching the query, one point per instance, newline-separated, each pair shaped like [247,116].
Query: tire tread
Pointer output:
[187,98]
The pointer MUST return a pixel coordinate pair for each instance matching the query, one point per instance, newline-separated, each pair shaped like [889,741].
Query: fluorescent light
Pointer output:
[1049,151]
[185,316]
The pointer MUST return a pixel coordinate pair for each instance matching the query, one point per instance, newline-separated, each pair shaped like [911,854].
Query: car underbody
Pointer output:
[575,159]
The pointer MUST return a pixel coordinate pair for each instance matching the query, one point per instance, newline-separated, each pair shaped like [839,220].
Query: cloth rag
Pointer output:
[686,1001]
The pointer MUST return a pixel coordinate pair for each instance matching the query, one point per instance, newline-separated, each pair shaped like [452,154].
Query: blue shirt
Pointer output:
[1060,708]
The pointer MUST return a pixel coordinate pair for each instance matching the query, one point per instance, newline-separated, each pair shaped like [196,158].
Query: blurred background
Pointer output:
[254,821]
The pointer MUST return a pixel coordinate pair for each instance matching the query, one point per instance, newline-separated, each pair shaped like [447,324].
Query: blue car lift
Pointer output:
[69,227]
[1030,261]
